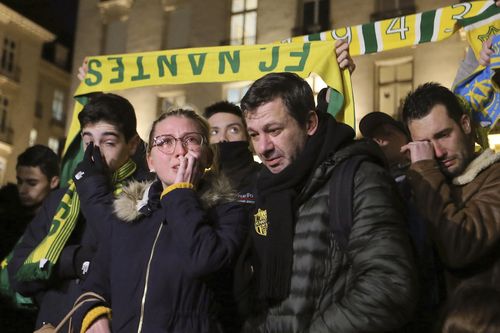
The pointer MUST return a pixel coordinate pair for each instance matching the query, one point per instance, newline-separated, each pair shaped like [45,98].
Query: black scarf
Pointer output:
[236,161]
[277,194]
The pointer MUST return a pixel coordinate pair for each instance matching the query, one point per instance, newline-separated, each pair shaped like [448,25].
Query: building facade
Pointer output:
[380,82]
[33,91]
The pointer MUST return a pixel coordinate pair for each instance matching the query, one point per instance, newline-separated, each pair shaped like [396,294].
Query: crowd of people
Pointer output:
[395,232]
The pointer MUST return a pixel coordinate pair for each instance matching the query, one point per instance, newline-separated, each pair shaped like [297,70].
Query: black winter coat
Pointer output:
[155,268]
[369,287]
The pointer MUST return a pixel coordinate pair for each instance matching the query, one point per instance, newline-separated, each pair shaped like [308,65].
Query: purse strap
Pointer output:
[78,303]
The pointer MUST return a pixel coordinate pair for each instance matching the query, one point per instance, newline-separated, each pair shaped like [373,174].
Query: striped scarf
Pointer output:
[40,263]
[405,31]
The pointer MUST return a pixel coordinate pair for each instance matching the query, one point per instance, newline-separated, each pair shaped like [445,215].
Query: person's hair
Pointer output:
[42,157]
[419,103]
[224,107]
[201,123]
[295,93]
[472,309]
[112,109]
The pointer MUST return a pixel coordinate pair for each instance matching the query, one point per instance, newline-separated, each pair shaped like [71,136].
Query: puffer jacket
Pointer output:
[155,268]
[464,217]
[371,287]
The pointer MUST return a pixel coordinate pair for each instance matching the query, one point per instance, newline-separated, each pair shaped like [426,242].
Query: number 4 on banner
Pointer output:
[401,21]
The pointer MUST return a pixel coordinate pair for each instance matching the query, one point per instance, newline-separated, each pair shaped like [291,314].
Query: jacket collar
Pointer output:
[483,161]
[140,198]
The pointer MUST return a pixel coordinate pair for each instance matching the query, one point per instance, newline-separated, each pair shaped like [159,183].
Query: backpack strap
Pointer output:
[341,198]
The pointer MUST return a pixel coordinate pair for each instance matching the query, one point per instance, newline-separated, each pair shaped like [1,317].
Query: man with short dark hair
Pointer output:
[305,282]
[37,173]
[226,122]
[57,248]
[456,189]
[228,132]
[390,135]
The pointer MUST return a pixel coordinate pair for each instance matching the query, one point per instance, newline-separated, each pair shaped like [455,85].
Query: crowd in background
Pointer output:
[395,232]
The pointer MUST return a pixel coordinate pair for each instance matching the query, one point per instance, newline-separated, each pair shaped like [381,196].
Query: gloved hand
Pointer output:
[83,257]
[92,164]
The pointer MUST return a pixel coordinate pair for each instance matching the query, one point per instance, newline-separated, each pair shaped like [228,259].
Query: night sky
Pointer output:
[57,16]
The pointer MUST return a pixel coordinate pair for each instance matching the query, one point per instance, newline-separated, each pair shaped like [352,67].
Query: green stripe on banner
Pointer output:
[314,37]
[490,11]
[427,26]
[369,37]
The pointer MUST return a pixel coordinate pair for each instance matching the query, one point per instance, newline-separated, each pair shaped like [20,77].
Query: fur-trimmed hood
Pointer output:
[137,198]
[483,161]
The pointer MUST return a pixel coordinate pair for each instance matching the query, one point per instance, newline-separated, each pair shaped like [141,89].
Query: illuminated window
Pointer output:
[170,100]
[316,84]
[58,106]
[33,136]
[234,92]
[53,144]
[243,22]
[394,80]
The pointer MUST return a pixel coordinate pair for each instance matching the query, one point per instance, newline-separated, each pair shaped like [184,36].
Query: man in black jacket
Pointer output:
[304,282]
[229,133]
[57,247]
[37,173]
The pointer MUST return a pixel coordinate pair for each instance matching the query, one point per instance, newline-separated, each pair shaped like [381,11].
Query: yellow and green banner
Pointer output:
[479,18]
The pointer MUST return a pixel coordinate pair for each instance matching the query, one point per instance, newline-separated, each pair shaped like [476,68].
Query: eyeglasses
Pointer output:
[166,143]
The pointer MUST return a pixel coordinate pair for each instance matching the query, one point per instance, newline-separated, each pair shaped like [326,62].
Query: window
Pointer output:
[4,112]
[243,22]
[53,144]
[170,100]
[6,131]
[394,80]
[392,8]
[8,55]
[315,16]
[57,106]
[33,137]
[316,83]
[234,92]
[38,109]
[3,167]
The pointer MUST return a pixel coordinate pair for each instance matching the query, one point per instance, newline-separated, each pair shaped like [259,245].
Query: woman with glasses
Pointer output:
[170,237]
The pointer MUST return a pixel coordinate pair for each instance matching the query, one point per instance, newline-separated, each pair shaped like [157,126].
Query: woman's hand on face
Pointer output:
[188,171]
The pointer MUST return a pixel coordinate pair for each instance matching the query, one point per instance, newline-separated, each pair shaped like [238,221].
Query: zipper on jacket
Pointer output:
[143,301]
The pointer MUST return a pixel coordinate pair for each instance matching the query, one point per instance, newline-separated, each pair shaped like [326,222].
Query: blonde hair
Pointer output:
[202,125]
